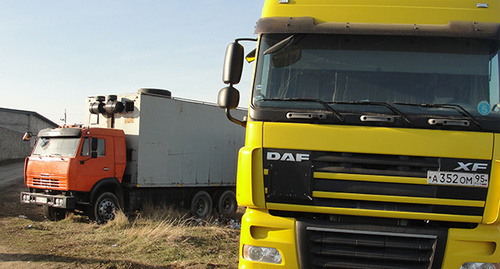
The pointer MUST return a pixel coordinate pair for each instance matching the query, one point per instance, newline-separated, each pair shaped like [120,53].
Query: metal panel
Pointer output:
[175,142]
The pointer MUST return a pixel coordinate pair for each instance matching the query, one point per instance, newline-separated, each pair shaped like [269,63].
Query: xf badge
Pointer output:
[471,166]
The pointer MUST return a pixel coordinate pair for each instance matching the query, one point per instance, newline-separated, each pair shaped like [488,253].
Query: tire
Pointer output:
[104,208]
[227,203]
[54,213]
[201,204]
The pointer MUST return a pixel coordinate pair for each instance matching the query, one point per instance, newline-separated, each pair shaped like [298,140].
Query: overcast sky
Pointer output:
[53,54]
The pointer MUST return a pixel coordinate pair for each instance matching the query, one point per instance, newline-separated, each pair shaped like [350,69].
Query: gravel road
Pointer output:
[11,181]
[11,173]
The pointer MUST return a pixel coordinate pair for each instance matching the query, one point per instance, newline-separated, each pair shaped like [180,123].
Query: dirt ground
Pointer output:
[11,184]
[26,222]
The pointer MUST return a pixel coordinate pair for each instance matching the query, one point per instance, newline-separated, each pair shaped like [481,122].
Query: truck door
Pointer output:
[91,169]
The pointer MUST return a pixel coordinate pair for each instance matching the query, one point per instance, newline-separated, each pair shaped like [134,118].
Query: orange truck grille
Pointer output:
[51,183]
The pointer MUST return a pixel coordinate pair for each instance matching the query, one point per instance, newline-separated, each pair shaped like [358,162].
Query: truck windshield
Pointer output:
[415,75]
[52,146]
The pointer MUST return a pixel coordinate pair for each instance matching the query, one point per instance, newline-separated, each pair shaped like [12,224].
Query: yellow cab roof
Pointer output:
[386,11]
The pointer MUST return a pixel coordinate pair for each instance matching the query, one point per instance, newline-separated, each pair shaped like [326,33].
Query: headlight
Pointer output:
[59,201]
[480,265]
[261,254]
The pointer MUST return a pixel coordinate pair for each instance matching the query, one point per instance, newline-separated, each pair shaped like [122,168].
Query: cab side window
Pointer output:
[85,148]
[101,147]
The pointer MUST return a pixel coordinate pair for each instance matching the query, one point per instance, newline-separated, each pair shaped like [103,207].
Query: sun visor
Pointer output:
[292,25]
[60,132]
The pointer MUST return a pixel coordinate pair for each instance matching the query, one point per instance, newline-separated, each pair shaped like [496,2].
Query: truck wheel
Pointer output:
[53,213]
[227,203]
[105,207]
[201,204]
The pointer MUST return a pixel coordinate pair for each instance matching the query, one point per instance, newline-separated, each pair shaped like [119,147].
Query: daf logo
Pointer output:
[287,157]
[471,166]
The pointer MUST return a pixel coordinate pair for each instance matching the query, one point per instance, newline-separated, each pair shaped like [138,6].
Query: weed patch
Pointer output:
[157,236]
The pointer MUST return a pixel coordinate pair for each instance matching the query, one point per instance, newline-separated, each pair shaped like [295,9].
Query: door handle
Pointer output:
[106,169]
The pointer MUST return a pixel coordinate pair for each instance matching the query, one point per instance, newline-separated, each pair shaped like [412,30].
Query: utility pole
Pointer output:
[65,118]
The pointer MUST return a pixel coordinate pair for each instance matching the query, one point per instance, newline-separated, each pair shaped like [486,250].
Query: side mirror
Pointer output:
[229,98]
[93,147]
[233,63]
[27,136]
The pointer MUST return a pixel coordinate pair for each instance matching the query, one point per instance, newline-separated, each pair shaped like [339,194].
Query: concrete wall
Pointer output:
[15,121]
[12,146]
[13,125]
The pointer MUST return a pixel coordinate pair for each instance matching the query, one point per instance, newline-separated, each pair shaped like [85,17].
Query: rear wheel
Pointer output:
[227,203]
[201,204]
[105,207]
[54,213]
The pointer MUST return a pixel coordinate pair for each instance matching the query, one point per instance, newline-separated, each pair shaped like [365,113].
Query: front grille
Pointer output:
[338,246]
[374,164]
[45,183]
[343,183]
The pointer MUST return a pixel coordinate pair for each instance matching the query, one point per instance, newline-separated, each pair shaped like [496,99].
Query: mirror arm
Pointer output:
[231,118]
[83,161]
[91,157]
[245,39]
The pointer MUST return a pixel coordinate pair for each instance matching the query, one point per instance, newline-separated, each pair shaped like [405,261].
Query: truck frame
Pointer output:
[136,148]
[372,135]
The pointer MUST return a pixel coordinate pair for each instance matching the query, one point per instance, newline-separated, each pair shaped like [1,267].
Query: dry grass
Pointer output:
[156,237]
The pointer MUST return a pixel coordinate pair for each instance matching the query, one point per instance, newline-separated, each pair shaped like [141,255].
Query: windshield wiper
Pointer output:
[323,103]
[391,108]
[458,108]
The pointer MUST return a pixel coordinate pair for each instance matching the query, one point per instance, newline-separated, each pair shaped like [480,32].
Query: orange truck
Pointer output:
[133,148]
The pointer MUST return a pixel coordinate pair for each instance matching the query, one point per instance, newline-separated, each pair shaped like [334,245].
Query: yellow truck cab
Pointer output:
[372,138]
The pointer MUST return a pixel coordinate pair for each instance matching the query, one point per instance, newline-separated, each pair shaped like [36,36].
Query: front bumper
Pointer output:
[59,201]
[452,247]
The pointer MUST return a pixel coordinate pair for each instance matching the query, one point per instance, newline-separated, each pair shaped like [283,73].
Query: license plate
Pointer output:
[457,179]
[42,200]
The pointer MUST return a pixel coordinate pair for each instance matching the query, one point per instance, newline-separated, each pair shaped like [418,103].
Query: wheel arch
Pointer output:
[218,193]
[107,184]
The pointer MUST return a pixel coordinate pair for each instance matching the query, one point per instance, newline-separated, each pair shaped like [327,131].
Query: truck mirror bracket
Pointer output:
[231,118]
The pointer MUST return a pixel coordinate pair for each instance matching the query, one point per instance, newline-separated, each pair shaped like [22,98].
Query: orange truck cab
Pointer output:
[73,168]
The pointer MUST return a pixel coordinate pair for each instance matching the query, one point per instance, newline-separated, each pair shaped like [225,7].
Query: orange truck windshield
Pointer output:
[60,147]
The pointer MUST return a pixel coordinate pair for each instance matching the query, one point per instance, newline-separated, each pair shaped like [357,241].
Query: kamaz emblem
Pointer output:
[287,157]
[471,166]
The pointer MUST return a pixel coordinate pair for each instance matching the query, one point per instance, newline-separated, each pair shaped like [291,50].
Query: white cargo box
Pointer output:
[173,142]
